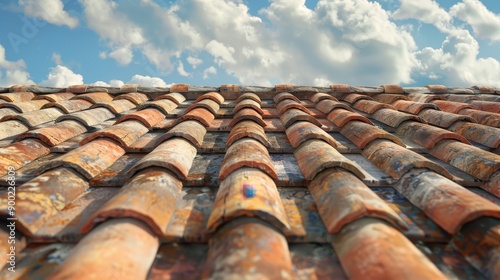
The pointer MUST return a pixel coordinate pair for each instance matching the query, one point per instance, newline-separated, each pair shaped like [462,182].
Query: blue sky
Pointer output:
[157,43]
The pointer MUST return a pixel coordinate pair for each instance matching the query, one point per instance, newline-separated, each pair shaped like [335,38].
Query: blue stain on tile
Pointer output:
[248,190]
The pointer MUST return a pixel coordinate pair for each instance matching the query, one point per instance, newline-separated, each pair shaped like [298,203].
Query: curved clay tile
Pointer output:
[193,131]
[340,88]
[70,106]
[247,103]
[486,118]
[134,97]
[488,106]
[393,89]
[427,135]
[413,107]
[165,106]
[287,104]
[35,118]
[247,129]
[320,96]
[55,97]
[175,97]
[94,97]
[293,115]
[199,114]
[215,96]
[355,97]
[442,119]
[482,134]
[394,118]
[149,117]
[340,117]
[437,88]
[247,114]
[89,117]
[327,105]
[55,133]
[116,106]
[17,96]
[125,133]
[452,107]
[300,132]
[26,106]
[249,95]
[208,104]
[284,95]
[21,153]
[371,106]
[179,88]
[361,134]
[390,98]
[10,128]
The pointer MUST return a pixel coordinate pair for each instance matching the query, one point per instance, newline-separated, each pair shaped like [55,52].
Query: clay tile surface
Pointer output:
[247,152]
[232,200]
[283,87]
[215,96]
[248,129]
[247,182]
[314,156]
[302,131]
[393,89]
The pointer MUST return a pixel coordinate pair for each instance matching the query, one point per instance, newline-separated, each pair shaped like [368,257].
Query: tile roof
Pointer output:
[284,182]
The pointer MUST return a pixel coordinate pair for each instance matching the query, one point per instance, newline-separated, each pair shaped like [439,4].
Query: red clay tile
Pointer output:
[320,96]
[17,96]
[355,97]
[56,133]
[90,159]
[89,117]
[251,96]
[174,154]
[179,88]
[247,152]
[444,201]
[479,163]
[18,88]
[134,97]
[192,131]
[303,131]
[21,153]
[396,160]
[327,105]
[214,96]
[340,88]
[7,111]
[442,119]
[452,107]
[247,114]
[198,114]
[292,116]
[283,87]
[363,247]
[42,197]
[149,117]
[284,95]
[116,106]
[427,135]
[94,97]
[128,243]
[233,201]
[493,184]
[393,89]
[361,134]
[413,107]
[230,88]
[462,97]
[35,118]
[342,198]
[289,104]
[247,129]
[394,118]
[248,250]
[425,98]
[55,97]
[482,134]
[129,88]
[125,133]
[26,106]
[165,106]
[371,106]
[486,118]
[77,88]
[247,103]
[314,156]
[437,88]
[11,128]
[485,89]
[340,117]
[175,97]
[150,197]
[70,106]
[390,98]
[489,106]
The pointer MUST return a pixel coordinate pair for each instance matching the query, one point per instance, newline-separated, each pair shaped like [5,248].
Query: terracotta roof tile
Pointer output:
[486,118]
[320,96]
[394,118]
[283,87]
[55,97]
[462,97]
[482,134]
[489,106]
[284,95]
[35,118]
[179,88]
[199,114]
[361,134]
[175,97]
[393,89]
[425,98]
[248,103]
[249,95]
[94,97]
[134,97]
[340,88]
[490,97]
[21,153]
[355,97]
[192,131]
[17,96]
[165,106]
[413,107]
[247,192]
[77,88]
[214,96]
[116,106]
[248,129]
[148,117]
[370,106]
[7,112]
[327,105]
[129,88]
[303,131]
[442,119]
[247,114]
[293,115]
[427,135]
[88,117]
[12,127]
[54,134]
[69,106]
[124,133]
[340,117]
[437,88]
[26,106]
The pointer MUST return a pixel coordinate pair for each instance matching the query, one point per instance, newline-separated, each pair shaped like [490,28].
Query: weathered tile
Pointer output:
[89,117]
[248,103]
[320,96]
[340,117]
[214,96]
[36,118]
[56,133]
[199,114]
[212,106]
[493,184]
[178,261]
[486,118]
[249,95]
[128,242]
[20,153]
[437,88]
[427,135]
[247,192]
[11,128]
[362,134]
[164,105]
[94,97]
[149,196]
[248,250]
[342,198]
[149,117]
[26,106]
[477,162]
[462,97]
[413,107]
[340,88]
[425,98]
[284,95]
[249,129]
[192,131]
[355,97]
[124,133]
[394,118]
[129,88]
[371,106]
[247,152]
[247,114]
[293,115]
[7,111]
[445,202]
[288,104]
[134,97]
[70,106]
[393,89]
[314,156]
[88,160]
[174,154]
[452,107]
[17,96]
[442,119]
[77,88]
[374,238]
[55,97]
[390,98]
[175,97]
[302,131]
[328,105]
[489,106]
[316,261]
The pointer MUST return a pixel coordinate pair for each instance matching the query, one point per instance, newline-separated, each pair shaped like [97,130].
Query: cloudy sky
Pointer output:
[200,42]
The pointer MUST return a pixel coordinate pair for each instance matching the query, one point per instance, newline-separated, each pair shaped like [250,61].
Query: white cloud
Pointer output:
[100,84]
[194,61]
[57,59]
[181,71]
[122,55]
[62,76]
[51,11]
[484,23]
[103,55]
[12,72]
[209,71]
[427,11]
[147,81]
